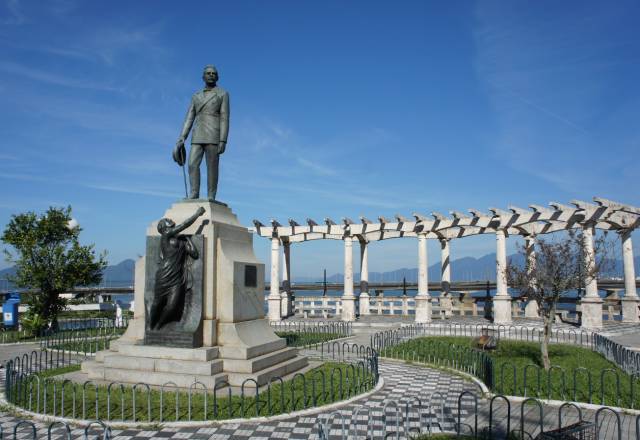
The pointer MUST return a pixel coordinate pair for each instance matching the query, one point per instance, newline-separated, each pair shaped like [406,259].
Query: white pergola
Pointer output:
[529,223]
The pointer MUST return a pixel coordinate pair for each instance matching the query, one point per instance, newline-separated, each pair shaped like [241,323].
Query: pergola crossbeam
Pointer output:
[603,214]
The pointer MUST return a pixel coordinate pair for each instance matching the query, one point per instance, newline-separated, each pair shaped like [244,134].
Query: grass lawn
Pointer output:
[442,437]
[89,345]
[453,436]
[84,343]
[576,374]
[299,339]
[330,382]
[12,336]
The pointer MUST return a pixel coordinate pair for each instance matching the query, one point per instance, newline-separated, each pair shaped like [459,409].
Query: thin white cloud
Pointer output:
[110,43]
[540,108]
[134,190]
[316,167]
[37,74]
[546,79]
[24,176]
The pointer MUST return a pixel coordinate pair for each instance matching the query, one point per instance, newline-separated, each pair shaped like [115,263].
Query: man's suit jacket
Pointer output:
[209,109]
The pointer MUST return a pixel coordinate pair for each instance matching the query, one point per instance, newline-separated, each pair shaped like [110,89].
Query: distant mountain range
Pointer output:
[118,275]
[462,269]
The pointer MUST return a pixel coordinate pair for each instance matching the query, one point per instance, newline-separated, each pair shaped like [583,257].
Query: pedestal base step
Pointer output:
[186,354]
[208,368]
[259,362]
[98,371]
[263,376]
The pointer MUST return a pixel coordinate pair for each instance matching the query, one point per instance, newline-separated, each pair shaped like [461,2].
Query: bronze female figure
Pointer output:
[172,276]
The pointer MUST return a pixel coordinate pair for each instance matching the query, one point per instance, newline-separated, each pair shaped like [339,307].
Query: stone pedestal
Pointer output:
[446,305]
[237,342]
[502,309]
[292,303]
[284,304]
[630,309]
[274,308]
[591,309]
[531,309]
[348,308]
[423,308]
[364,304]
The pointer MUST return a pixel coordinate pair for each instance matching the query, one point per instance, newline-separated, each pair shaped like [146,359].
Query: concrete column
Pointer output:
[348,299]
[136,328]
[284,304]
[364,278]
[286,268]
[591,304]
[531,308]
[423,300]
[445,278]
[274,299]
[630,301]
[285,293]
[502,300]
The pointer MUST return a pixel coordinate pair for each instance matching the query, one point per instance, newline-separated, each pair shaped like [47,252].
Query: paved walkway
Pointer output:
[403,383]
[11,351]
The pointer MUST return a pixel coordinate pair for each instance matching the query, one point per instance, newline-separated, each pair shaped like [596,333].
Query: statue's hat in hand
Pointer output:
[180,157]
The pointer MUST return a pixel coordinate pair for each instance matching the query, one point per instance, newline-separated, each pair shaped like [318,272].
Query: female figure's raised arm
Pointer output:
[188,222]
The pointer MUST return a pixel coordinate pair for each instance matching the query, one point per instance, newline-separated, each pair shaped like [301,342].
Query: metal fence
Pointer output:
[499,418]
[605,387]
[307,334]
[28,430]
[27,387]
[79,342]
[88,326]
[626,359]
[523,333]
[427,415]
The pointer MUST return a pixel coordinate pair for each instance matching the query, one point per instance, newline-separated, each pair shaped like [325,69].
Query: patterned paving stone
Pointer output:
[384,412]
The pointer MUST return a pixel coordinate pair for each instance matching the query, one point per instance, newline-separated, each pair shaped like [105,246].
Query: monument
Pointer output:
[199,290]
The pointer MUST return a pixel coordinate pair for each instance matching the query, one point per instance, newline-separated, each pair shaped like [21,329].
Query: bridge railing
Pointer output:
[454,304]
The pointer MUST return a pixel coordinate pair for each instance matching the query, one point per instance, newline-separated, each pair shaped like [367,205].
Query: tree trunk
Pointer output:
[549,316]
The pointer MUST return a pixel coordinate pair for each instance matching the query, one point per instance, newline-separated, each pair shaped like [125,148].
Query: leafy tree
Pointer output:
[49,260]
[554,269]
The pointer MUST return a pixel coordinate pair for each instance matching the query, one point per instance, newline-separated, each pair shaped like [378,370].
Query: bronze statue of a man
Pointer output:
[209,109]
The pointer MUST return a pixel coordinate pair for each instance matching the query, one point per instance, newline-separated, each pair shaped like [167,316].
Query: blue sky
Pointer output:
[337,109]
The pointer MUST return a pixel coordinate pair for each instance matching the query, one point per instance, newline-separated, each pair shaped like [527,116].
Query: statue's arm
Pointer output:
[188,222]
[191,249]
[188,121]
[224,118]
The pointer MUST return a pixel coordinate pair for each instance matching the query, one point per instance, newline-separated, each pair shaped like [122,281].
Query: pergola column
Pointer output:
[445,278]
[285,294]
[502,299]
[364,277]
[423,300]
[591,303]
[348,299]
[630,301]
[273,299]
[531,308]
